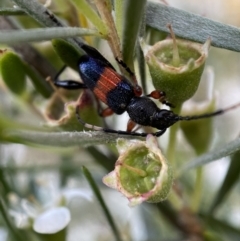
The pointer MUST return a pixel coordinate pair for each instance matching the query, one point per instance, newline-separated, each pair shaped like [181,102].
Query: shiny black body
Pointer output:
[143,111]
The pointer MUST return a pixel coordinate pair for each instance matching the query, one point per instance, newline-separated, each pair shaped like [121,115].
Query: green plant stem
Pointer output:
[175,200]
[220,152]
[37,35]
[96,191]
[91,15]
[64,139]
[11,11]
[196,197]
[13,231]
[106,15]
[38,11]
[133,15]
[172,138]
[42,15]
[119,16]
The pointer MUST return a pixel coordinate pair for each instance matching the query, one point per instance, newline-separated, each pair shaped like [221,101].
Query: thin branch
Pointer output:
[32,35]
[223,151]
[64,139]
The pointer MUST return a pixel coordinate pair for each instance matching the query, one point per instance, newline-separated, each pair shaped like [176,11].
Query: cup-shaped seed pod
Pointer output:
[68,120]
[141,172]
[176,67]
[199,133]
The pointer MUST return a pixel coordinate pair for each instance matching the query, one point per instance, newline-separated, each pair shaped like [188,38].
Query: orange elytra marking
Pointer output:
[107,82]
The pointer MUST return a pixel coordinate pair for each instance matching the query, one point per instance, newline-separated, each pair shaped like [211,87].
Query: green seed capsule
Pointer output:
[141,173]
[177,70]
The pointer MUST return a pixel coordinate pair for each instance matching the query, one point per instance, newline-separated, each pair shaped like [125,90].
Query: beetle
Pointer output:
[120,95]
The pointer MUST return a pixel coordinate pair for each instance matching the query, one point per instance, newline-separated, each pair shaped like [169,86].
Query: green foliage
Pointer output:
[13,72]
[43,143]
[66,52]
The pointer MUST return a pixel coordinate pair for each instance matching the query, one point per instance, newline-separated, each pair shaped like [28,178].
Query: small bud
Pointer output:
[141,172]
[176,67]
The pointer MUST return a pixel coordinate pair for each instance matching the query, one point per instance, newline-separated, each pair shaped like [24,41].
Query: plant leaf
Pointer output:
[230,179]
[193,27]
[85,8]
[13,72]
[11,11]
[64,139]
[16,234]
[42,15]
[96,191]
[32,35]
[132,19]
[221,152]
[222,228]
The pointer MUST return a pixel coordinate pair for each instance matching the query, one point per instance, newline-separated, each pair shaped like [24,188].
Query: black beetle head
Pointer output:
[163,119]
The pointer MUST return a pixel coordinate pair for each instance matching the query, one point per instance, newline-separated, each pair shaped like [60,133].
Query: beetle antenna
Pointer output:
[207,115]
